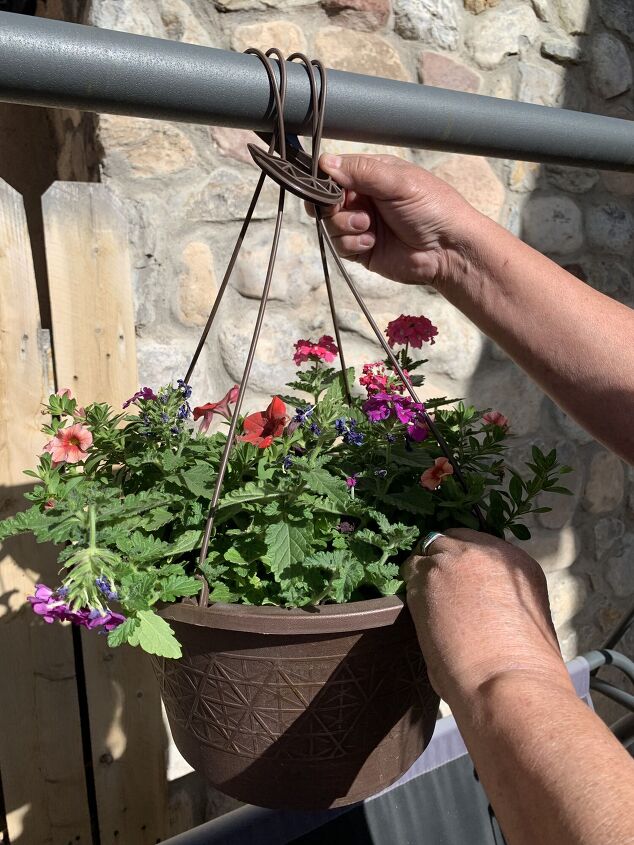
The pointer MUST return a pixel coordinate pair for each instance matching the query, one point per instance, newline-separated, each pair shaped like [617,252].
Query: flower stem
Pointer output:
[92,527]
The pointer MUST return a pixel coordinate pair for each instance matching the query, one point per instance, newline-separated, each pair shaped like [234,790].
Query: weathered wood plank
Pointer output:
[93,333]
[41,756]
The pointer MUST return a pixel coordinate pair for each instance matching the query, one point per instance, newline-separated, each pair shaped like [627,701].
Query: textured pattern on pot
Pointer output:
[298,709]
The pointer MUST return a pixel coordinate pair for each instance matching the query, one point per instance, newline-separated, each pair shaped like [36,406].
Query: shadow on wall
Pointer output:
[584,220]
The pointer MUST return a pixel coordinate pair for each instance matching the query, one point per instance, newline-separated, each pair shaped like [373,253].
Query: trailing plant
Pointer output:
[321,502]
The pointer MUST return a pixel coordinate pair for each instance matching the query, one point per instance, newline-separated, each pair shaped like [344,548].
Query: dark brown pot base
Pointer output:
[298,709]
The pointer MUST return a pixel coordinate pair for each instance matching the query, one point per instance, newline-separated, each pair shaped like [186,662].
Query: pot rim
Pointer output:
[269,619]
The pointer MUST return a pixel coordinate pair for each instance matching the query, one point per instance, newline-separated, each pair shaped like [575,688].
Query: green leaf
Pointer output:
[320,481]
[249,492]
[200,479]
[222,593]
[418,501]
[140,548]
[185,542]
[177,585]
[156,636]
[516,489]
[286,544]
[520,531]
[124,633]
[564,491]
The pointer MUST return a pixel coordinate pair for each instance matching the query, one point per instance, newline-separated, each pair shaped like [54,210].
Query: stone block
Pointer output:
[553,550]
[359,52]
[523,176]
[197,286]
[574,15]
[148,148]
[620,569]
[476,180]
[564,50]
[553,225]
[610,66]
[500,33]
[232,143]
[226,196]
[618,183]
[605,486]
[618,15]
[506,388]
[439,70]
[575,180]
[606,533]
[258,5]
[567,594]
[287,36]
[366,15]
[547,85]
[479,6]
[181,24]
[610,227]
[430,21]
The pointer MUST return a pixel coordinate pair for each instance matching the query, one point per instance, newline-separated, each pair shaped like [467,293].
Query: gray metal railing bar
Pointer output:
[56,64]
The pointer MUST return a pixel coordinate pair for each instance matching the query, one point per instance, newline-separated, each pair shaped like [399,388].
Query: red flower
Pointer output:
[496,418]
[261,428]
[412,331]
[325,349]
[432,478]
[222,408]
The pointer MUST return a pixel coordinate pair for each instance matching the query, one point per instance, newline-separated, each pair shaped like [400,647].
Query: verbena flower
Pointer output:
[351,481]
[104,587]
[205,413]
[345,527]
[377,378]
[432,478]
[324,349]
[410,331]
[145,393]
[261,428]
[496,418]
[70,445]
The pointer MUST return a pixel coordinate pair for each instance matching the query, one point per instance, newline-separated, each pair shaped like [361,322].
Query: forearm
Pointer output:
[576,343]
[552,771]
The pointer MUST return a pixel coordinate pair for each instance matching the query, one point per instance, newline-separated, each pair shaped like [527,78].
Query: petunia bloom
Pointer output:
[496,418]
[145,393]
[221,408]
[70,445]
[324,349]
[261,428]
[432,478]
[410,331]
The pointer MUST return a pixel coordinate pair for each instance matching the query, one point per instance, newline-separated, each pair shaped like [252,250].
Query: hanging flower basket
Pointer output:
[288,663]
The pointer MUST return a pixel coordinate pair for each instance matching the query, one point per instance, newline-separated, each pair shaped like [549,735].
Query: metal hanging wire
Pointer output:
[294,170]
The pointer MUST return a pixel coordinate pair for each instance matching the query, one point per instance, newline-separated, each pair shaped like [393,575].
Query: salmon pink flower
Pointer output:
[410,331]
[324,349]
[261,428]
[221,408]
[70,445]
[496,418]
[66,391]
[432,478]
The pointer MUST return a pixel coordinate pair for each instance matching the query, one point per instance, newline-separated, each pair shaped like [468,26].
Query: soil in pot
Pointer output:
[298,709]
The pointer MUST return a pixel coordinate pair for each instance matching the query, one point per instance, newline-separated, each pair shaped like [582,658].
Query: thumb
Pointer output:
[377,176]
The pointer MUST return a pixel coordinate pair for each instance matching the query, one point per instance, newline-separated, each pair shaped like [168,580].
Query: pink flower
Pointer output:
[352,481]
[50,605]
[66,391]
[47,605]
[324,349]
[496,418]
[376,379]
[261,428]
[221,408]
[70,445]
[410,331]
[145,393]
[432,478]
[49,504]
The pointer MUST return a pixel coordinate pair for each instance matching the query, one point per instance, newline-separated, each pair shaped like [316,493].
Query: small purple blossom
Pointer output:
[390,438]
[104,587]
[287,463]
[185,388]
[352,481]
[348,431]
[52,609]
[145,393]
[345,527]
[303,414]
[315,429]
[184,411]
[340,426]
[165,417]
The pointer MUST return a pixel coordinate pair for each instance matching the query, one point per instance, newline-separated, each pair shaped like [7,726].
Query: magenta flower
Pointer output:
[382,406]
[324,349]
[144,393]
[223,408]
[376,379]
[410,331]
[52,608]
[352,481]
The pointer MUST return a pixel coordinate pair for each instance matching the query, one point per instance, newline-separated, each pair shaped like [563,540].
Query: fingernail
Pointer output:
[359,222]
[366,240]
[331,161]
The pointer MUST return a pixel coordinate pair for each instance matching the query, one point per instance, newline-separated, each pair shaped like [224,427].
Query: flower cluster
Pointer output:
[410,331]
[52,607]
[377,378]
[324,349]
[384,406]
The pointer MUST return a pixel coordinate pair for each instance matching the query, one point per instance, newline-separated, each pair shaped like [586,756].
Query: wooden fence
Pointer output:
[82,740]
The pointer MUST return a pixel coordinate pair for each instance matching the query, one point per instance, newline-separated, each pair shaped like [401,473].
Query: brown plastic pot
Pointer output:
[298,709]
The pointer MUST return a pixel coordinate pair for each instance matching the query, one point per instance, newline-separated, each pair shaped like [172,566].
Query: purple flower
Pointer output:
[145,393]
[417,430]
[165,417]
[46,605]
[315,429]
[345,527]
[340,426]
[185,388]
[287,463]
[93,618]
[356,438]
[302,414]
[390,438]
[106,588]
[352,481]
[184,411]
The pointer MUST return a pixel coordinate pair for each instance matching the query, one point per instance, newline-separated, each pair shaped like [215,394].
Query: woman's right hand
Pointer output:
[397,219]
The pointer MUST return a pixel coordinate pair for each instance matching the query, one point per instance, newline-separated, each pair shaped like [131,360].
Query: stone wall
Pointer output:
[187,187]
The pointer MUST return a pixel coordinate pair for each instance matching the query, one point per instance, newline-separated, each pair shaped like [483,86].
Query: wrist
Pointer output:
[466,253]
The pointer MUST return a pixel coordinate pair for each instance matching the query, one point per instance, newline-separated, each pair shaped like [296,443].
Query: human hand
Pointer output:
[480,607]
[397,219]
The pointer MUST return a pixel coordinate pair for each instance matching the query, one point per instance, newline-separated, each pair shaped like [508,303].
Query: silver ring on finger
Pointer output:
[429,539]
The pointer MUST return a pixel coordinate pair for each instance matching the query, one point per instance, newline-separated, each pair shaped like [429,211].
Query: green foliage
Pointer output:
[326,513]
